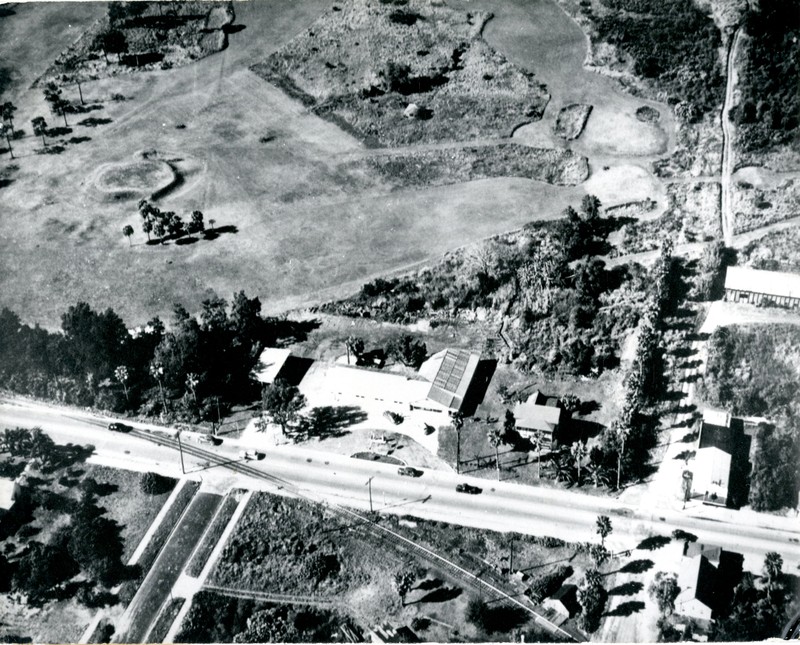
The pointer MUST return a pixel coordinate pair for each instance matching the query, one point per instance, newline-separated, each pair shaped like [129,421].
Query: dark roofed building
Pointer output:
[564,601]
[707,575]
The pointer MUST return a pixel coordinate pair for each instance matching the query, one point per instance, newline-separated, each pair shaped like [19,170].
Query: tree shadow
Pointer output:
[84,109]
[442,594]
[689,437]
[588,407]
[688,365]
[685,455]
[626,608]
[184,241]
[427,585]
[654,542]
[213,234]
[684,352]
[286,331]
[330,421]
[58,131]
[680,534]
[233,29]
[627,589]
[79,139]
[637,566]
[51,150]
[93,122]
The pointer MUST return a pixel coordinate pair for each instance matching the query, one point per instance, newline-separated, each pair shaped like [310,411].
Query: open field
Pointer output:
[300,224]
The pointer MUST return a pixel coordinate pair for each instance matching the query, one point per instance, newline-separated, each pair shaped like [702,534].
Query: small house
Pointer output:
[564,602]
[541,417]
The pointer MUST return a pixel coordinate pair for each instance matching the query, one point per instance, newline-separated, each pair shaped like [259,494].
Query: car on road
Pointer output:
[251,454]
[395,418]
[469,489]
[119,427]
[408,471]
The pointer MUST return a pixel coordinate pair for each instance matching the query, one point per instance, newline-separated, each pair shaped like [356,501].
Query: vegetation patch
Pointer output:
[455,166]
[144,35]
[767,113]
[214,618]
[776,251]
[571,120]
[525,277]
[759,206]
[365,62]
[673,45]
[648,114]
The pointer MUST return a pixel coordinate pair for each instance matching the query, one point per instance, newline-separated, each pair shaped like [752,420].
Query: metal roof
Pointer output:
[770,283]
[456,369]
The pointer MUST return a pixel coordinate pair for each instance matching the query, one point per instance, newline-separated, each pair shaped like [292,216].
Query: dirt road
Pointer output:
[728,221]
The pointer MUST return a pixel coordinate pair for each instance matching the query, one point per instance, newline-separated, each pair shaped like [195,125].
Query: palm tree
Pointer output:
[604,528]
[127,231]
[578,452]
[212,221]
[7,110]
[355,346]
[536,440]
[52,94]
[773,563]
[495,436]
[40,128]
[6,129]
[458,424]
[191,382]
[620,433]
[121,374]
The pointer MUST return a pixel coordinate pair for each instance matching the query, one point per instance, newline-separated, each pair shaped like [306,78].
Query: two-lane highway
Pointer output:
[501,506]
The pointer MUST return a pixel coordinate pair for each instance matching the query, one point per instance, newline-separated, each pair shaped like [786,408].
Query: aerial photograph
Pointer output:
[400,321]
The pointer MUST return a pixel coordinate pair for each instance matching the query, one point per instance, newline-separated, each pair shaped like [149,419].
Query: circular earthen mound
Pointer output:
[140,177]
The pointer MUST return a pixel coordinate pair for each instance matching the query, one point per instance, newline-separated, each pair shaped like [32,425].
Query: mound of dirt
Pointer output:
[454,166]
[139,178]
[362,63]
[572,120]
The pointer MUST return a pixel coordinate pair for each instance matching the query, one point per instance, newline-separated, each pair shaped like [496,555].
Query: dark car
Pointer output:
[395,418]
[119,427]
[468,489]
[408,471]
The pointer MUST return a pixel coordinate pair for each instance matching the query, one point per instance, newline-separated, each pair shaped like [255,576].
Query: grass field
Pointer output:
[302,224]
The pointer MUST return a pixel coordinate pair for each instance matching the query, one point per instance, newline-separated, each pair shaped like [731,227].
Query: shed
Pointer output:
[451,373]
[759,287]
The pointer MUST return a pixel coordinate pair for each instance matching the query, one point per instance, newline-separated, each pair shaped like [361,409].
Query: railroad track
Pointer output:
[265,596]
[364,523]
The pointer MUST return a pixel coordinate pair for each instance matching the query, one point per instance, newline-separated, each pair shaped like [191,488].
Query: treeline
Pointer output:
[188,372]
[768,112]
[569,312]
[674,44]
[748,372]
[89,543]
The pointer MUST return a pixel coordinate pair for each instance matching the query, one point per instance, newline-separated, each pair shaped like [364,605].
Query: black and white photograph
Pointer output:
[399,321]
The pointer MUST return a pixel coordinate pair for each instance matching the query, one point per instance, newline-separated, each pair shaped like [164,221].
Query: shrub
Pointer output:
[154,484]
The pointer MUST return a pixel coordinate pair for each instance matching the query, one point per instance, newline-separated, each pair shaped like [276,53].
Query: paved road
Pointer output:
[155,590]
[502,506]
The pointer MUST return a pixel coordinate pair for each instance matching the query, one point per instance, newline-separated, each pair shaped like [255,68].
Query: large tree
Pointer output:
[40,128]
[664,590]
[592,597]
[773,565]
[282,402]
[52,94]
[7,110]
[127,231]
[408,350]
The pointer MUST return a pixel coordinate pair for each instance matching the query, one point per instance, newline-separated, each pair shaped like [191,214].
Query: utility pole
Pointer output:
[180,449]
[369,484]
[511,556]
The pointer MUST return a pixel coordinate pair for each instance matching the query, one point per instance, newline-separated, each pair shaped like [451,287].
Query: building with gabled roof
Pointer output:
[451,373]
[759,287]
[564,601]
[707,575]
[539,416]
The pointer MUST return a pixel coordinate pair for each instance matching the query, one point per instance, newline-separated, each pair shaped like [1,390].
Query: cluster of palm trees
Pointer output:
[166,223]
[30,444]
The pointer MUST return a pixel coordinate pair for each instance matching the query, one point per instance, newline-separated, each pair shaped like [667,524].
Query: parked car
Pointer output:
[408,471]
[395,418]
[119,427]
[209,439]
[468,489]
[251,454]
